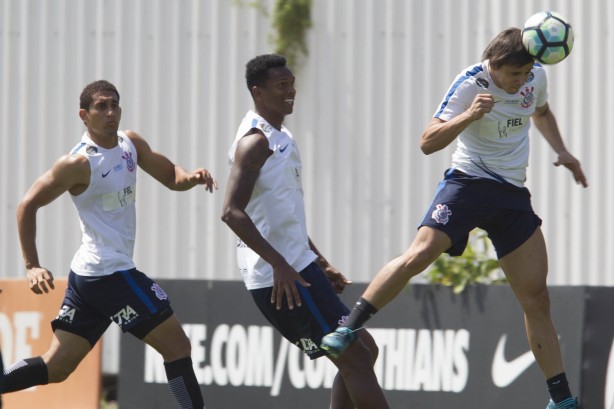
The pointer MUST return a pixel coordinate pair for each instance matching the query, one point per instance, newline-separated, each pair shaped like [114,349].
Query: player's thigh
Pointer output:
[65,353]
[356,359]
[169,339]
[526,267]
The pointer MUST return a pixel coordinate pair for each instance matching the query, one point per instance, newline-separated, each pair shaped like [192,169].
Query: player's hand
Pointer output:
[40,280]
[337,280]
[285,281]
[482,104]
[570,162]
[203,177]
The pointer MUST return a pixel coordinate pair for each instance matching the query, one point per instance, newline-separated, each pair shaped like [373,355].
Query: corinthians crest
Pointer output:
[441,214]
[528,95]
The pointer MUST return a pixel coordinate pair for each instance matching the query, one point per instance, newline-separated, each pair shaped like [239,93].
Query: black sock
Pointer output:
[183,383]
[559,388]
[25,374]
[361,312]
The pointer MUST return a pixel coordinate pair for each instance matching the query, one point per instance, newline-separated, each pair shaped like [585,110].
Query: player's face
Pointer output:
[510,78]
[103,116]
[277,95]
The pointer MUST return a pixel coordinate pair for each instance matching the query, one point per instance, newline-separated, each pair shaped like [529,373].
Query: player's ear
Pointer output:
[83,115]
[256,93]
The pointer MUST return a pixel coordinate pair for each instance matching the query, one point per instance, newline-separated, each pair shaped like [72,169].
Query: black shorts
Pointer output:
[129,298]
[464,202]
[322,311]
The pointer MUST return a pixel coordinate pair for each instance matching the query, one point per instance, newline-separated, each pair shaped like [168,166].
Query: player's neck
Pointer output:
[107,141]
[273,120]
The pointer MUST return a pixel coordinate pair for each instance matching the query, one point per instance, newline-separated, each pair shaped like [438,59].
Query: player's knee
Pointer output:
[181,348]
[59,373]
[185,348]
[356,359]
[369,342]
[536,301]
[415,260]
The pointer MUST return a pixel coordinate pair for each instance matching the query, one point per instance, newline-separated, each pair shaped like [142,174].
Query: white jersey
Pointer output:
[106,208]
[497,145]
[276,207]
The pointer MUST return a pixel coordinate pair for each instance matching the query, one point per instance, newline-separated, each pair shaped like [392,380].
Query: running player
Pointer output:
[103,283]
[488,108]
[292,284]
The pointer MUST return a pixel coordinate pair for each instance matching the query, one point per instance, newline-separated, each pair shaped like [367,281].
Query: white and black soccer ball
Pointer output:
[548,37]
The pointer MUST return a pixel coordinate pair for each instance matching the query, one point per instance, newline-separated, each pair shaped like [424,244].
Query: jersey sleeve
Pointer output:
[458,98]
[542,95]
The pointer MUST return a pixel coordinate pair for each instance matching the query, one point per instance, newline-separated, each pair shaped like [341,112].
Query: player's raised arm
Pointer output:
[70,172]
[166,172]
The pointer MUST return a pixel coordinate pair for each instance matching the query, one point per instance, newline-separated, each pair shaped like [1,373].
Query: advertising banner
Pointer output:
[25,331]
[437,349]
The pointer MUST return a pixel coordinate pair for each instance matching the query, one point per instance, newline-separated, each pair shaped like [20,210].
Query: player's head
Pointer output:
[507,49]
[87,95]
[271,84]
[257,69]
[99,108]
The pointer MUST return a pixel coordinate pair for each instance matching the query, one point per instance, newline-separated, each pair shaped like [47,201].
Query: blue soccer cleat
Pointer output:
[337,342]
[566,404]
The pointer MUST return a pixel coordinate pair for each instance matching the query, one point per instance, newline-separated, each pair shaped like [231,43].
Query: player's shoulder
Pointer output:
[538,72]
[471,72]
[472,76]
[129,135]
[71,163]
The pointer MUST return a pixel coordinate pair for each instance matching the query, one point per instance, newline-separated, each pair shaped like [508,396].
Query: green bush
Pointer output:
[290,21]
[474,266]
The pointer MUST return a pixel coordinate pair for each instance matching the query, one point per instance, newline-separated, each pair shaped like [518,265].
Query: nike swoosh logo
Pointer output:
[609,383]
[104,175]
[284,148]
[505,372]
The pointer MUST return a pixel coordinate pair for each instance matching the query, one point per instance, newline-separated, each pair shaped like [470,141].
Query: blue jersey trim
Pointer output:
[139,292]
[308,300]
[77,148]
[490,172]
[469,74]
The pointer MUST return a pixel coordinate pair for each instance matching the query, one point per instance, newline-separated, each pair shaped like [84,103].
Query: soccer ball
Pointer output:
[548,37]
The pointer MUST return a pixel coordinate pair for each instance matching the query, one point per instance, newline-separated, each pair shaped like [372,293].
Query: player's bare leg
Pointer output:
[171,342]
[387,284]
[526,269]
[65,353]
[359,380]
[394,276]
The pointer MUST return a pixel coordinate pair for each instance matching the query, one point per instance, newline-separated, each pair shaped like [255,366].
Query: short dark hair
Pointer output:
[507,49]
[87,95]
[256,69]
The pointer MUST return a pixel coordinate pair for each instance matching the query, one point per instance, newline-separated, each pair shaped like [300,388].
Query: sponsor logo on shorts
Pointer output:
[441,214]
[66,314]
[308,346]
[159,292]
[343,320]
[125,316]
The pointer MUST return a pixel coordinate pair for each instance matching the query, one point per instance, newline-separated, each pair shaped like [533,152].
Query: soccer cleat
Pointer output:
[337,342]
[568,404]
